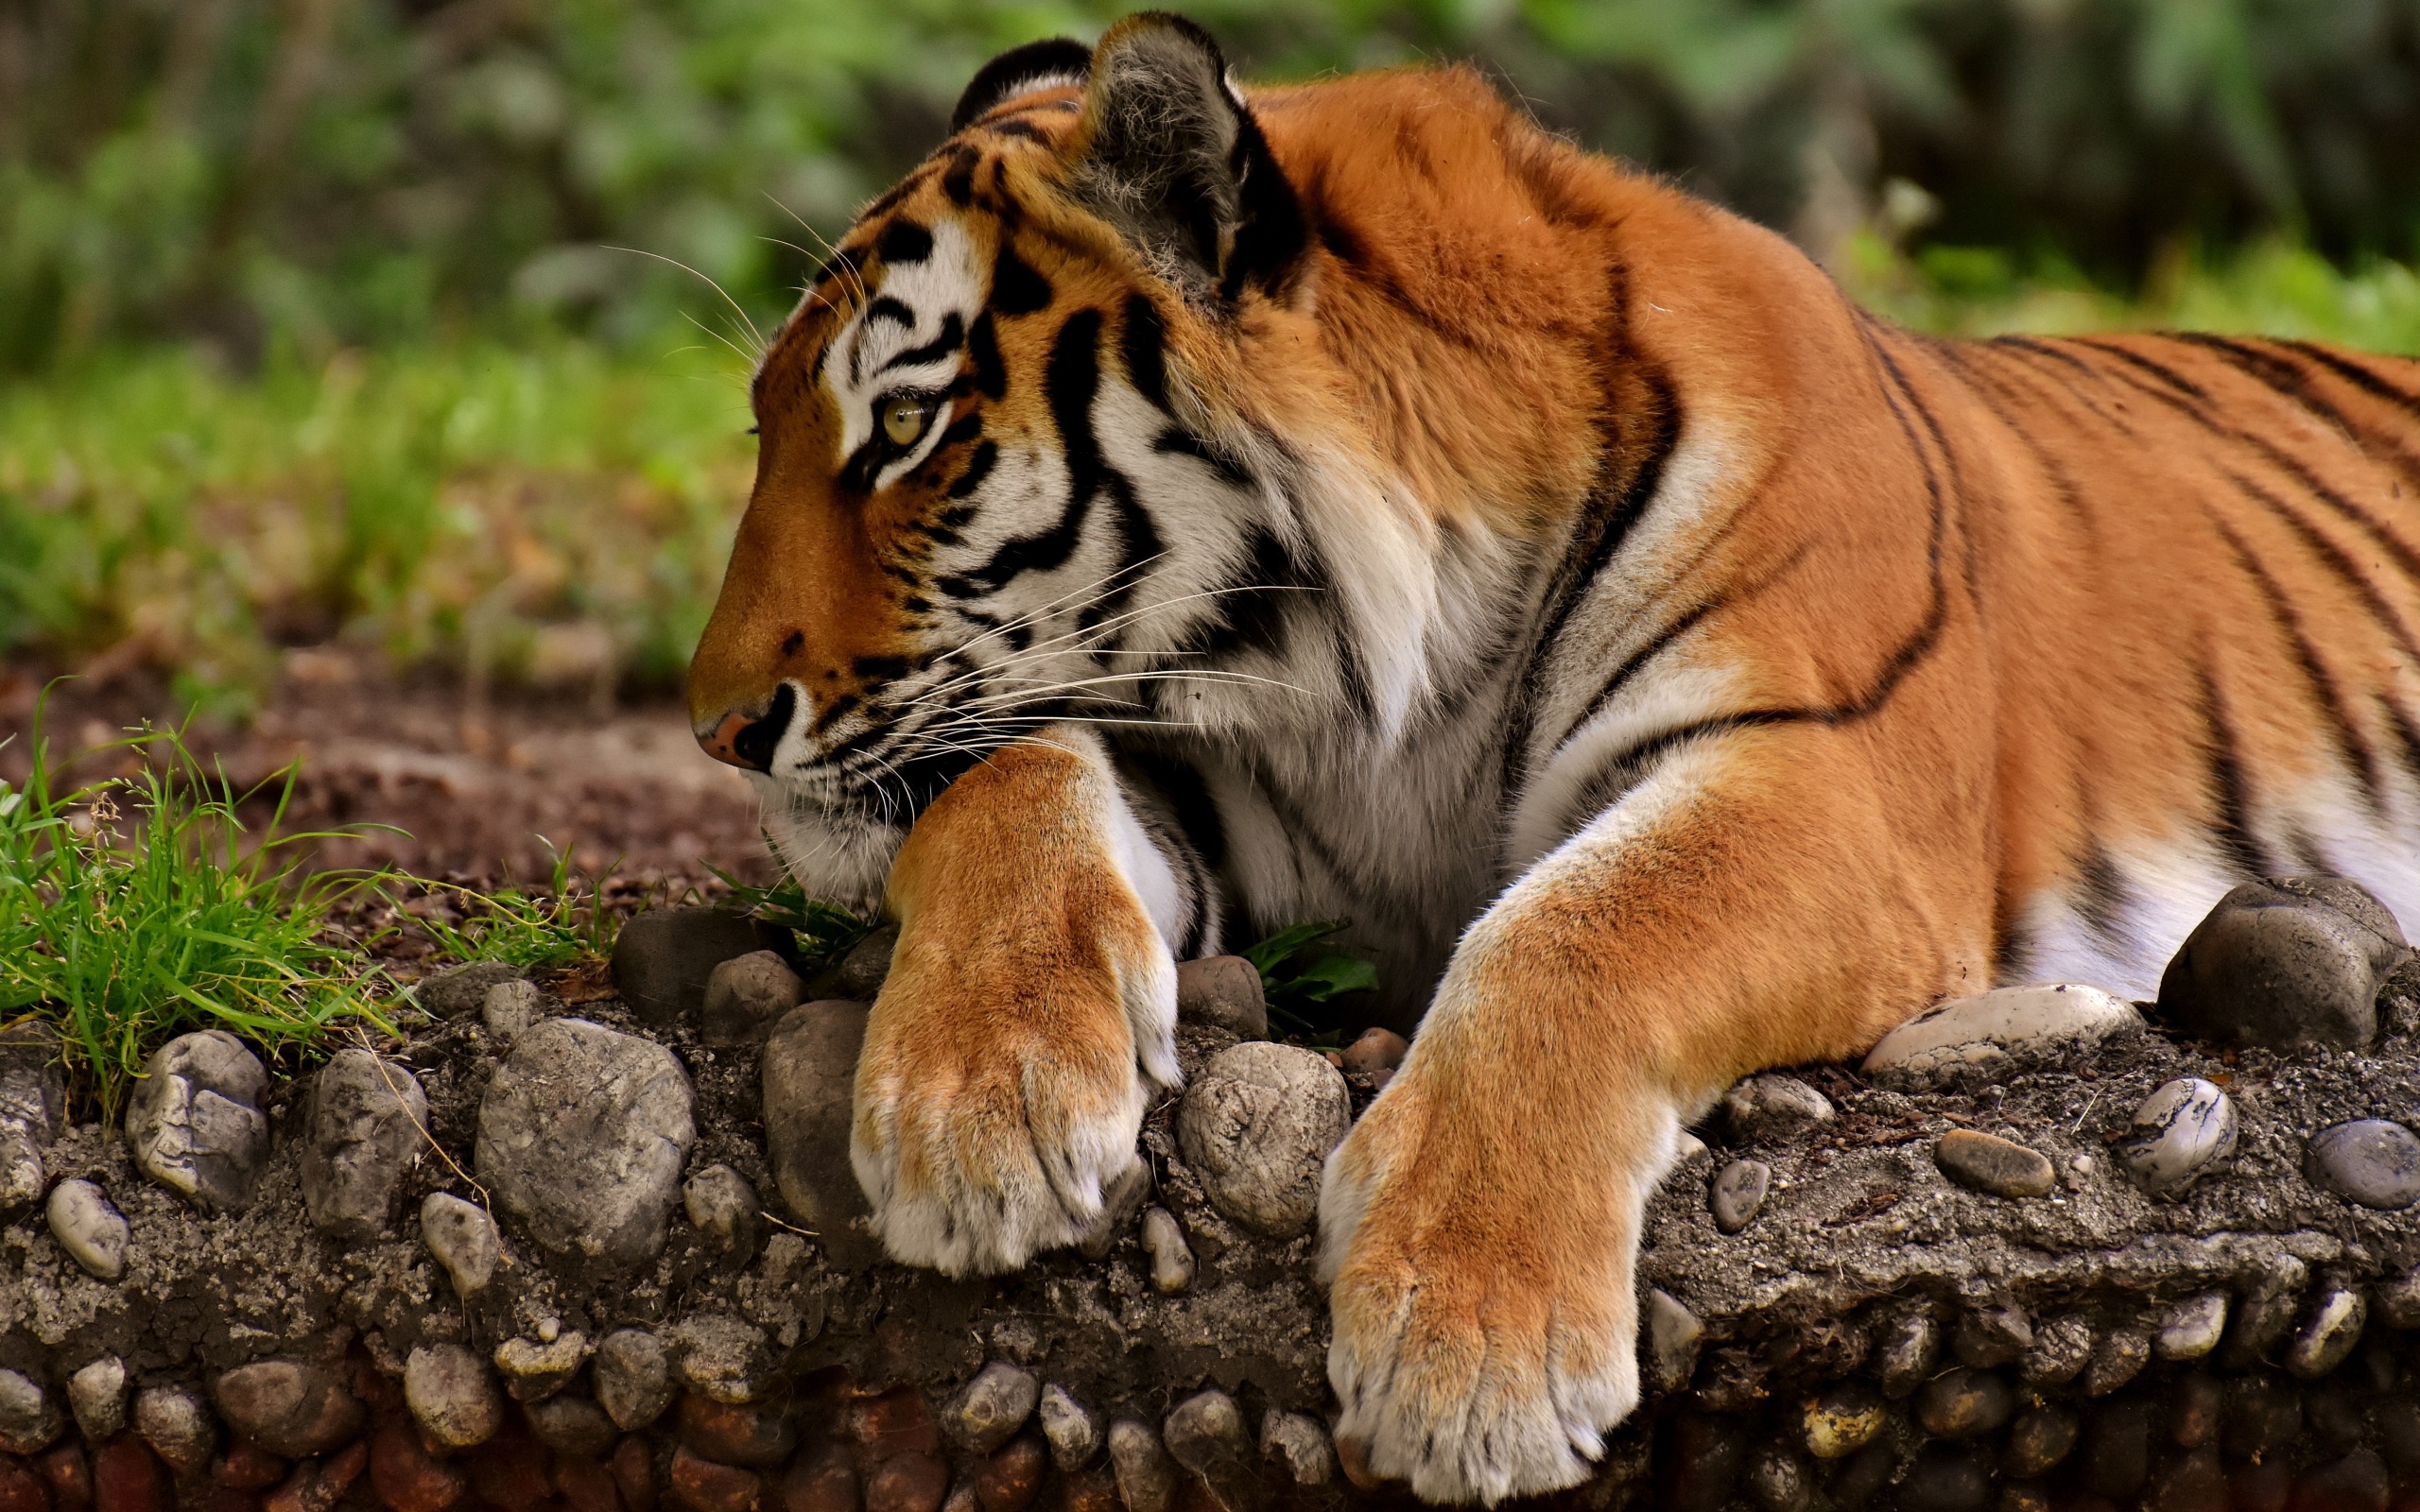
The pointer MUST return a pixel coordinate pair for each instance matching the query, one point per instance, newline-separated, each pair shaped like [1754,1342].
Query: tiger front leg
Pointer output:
[1743,907]
[1028,1013]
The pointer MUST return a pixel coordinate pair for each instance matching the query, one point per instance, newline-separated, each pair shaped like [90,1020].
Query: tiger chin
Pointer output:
[1185,509]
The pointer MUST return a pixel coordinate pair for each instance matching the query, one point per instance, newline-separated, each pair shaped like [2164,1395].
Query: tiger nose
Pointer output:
[745,742]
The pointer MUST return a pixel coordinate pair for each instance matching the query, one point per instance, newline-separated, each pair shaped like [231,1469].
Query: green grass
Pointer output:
[534,929]
[136,908]
[554,515]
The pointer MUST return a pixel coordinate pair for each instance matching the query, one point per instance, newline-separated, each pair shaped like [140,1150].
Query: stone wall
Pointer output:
[595,1244]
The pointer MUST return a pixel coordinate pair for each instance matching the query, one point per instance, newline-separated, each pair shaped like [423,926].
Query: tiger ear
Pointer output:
[1168,153]
[1021,71]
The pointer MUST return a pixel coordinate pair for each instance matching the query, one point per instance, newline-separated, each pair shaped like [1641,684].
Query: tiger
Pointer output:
[1184,509]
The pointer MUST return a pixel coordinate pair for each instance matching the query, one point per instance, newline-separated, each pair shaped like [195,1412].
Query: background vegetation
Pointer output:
[316,320]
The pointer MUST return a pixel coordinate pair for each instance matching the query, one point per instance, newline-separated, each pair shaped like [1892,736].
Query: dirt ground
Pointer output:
[434,781]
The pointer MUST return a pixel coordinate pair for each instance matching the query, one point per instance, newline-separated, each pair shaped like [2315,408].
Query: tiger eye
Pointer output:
[903,419]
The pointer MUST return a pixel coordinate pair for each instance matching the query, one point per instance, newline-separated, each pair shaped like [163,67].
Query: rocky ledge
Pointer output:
[595,1243]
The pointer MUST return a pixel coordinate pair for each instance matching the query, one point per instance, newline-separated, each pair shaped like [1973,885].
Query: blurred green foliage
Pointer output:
[314,173]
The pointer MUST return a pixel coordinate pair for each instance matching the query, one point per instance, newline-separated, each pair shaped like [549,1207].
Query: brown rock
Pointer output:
[317,1486]
[227,1499]
[586,1484]
[127,1477]
[1223,992]
[289,1408]
[914,1482]
[633,1469]
[20,1489]
[1091,1490]
[757,1433]
[406,1477]
[247,1467]
[177,1427]
[896,1423]
[702,1485]
[510,1472]
[1008,1480]
[572,1425]
[823,1479]
[1988,1163]
[1377,1050]
[69,1476]
[1965,1403]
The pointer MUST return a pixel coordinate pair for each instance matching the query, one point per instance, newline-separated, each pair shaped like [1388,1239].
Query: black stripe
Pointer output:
[2365,379]
[1177,441]
[1011,126]
[958,179]
[1068,384]
[2233,824]
[2158,369]
[2353,746]
[1687,621]
[1017,288]
[1142,343]
[952,336]
[978,467]
[983,347]
[2102,897]
[903,241]
[2288,379]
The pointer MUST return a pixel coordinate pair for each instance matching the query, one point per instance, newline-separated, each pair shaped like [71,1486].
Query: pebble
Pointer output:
[1009,1481]
[1376,1050]
[1120,1200]
[1773,1107]
[723,1208]
[755,1434]
[2328,1334]
[633,1379]
[1841,1419]
[2061,1350]
[288,1407]
[1964,1402]
[459,989]
[1993,1336]
[1146,1477]
[2357,1483]
[2284,963]
[364,1126]
[745,996]
[2039,1439]
[2117,1357]
[1987,1163]
[571,1425]
[463,1238]
[1171,1257]
[29,1421]
[663,957]
[1256,1126]
[2180,1130]
[1909,1344]
[582,1135]
[1072,1430]
[989,1409]
[1222,992]
[89,1227]
[1297,1441]
[2195,1403]
[823,1479]
[178,1426]
[406,1477]
[1985,1028]
[907,1482]
[702,1485]
[861,970]
[33,1105]
[452,1395]
[810,1078]
[2398,1300]
[534,1369]
[633,1471]
[96,1396]
[508,1008]
[2117,1453]
[1673,1337]
[1777,1480]
[720,1356]
[2369,1160]
[126,1477]
[2193,1328]
[1205,1434]
[1737,1193]
[194,1124]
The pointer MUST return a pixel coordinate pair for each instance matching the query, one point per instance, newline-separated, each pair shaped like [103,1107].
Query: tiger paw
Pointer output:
[1484,1329]
[997,1100]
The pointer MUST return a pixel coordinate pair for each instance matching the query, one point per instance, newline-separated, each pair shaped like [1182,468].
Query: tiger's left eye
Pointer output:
[904,419]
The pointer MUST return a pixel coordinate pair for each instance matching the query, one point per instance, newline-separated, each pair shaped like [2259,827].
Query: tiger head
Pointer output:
[984,501]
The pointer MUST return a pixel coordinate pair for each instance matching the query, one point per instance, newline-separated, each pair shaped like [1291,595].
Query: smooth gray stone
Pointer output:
[663,958]
[89,1227]
[460,989]
[2282,963]
[2180,1132]
[723,1207]
[2193,1328]
[1673,1336]
[1773,1106]
[1146,1476]
[29,1421]
[745,996]
[989,1409]
[365,1126]
[452,1395]
[463,1238]
[1072,1430]
[1172,1263]
[634,1377]
[582,1136]
[810,1077]
[178,1426]
[1739,1194]
[508,1008]
[2368,1160]
[96,1396]
[1223,992]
